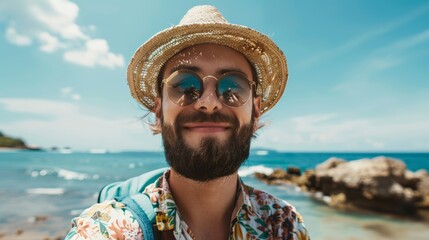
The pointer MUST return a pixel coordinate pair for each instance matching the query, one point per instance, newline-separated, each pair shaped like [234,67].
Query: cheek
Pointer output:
[244,113]
[169,111]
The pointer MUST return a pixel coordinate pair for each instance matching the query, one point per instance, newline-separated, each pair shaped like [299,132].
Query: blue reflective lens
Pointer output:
[233,90]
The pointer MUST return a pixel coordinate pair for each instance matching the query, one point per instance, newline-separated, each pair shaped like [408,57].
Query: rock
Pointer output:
[411,180]
[308,180]
[37,219]
[338,200]
[421,173]
[330,163]
[292,175]
[294,171]
[19,232]
[379,184]
[279,174]
[423,189]
[423,186]
[380,229]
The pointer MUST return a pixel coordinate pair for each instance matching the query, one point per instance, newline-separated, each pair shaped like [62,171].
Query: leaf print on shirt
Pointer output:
[123,230]
[84,228]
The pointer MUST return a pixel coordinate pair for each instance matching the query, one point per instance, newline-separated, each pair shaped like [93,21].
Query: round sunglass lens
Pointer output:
[184,88]
[233,90]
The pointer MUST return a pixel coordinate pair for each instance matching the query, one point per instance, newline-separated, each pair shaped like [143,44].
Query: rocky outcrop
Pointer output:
[380,184]
[7,143]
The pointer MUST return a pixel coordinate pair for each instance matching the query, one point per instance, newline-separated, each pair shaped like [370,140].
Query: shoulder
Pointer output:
[279,214]
[107,220]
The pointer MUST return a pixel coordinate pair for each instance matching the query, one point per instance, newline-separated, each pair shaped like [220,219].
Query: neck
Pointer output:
[206,207]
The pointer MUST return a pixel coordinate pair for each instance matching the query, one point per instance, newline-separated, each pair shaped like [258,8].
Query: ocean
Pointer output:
[42,191]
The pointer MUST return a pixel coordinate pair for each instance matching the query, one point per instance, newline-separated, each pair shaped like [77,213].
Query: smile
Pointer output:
[207,127]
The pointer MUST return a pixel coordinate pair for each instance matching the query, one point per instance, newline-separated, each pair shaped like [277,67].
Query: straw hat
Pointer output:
[205,24]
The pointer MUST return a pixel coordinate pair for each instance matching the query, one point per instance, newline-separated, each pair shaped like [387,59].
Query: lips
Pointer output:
[207,127]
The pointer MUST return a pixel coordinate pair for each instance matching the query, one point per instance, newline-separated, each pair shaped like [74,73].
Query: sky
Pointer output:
[358,72]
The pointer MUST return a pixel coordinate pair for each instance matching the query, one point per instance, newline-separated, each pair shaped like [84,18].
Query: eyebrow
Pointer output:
[197,69]
[187,67]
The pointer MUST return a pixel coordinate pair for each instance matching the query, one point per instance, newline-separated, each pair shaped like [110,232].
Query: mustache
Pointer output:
[183,118]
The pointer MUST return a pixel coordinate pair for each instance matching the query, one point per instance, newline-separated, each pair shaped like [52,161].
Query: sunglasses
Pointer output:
[185,87]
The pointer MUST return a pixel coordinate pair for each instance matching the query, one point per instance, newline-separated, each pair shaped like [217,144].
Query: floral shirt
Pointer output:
[258,216]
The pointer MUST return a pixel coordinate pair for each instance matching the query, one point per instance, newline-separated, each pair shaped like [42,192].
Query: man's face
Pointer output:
[207,139]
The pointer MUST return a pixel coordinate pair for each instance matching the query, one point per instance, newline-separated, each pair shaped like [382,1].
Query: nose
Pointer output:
[209,102]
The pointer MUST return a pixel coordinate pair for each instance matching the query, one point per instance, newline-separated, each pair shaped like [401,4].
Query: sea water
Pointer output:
[41,192]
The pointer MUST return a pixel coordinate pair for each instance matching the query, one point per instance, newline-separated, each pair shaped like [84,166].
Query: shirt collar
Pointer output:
[165,207]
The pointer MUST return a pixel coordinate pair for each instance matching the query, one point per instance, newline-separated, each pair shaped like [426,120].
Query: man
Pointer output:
[207,82]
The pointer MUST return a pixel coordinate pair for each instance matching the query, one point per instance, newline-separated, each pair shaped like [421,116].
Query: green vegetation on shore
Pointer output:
[9,142]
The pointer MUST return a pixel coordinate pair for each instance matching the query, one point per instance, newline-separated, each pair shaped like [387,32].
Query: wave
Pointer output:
[246,171]
[46,191]
[63,173]
[262,153]
[76,212]
[70,175]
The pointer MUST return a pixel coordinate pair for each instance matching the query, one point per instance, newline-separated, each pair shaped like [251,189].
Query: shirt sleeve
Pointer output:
[300,231]
[106,220]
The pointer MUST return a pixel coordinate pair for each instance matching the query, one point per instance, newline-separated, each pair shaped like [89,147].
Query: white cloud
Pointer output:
[329,132]
[49,43]
[16,38]
[58,123]
[306,123]
[96,52]
[39,107]
[68,92]
[52,25]
[59,16]
[75,97]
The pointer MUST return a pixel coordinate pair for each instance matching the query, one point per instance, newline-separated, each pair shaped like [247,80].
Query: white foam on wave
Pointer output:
[76,212]
[70,175]
[246,171]
[65,151]
[41,173]
[262,153]
[46,191]
[62,173]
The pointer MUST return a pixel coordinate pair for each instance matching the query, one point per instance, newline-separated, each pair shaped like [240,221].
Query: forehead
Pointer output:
[209,58]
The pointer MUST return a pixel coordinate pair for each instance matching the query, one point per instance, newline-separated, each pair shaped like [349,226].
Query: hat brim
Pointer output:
[265,56]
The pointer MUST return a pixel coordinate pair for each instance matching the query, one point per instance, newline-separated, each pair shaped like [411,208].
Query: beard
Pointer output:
[211,159]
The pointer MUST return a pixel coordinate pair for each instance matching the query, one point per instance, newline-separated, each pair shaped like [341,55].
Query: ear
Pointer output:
[158,108]
[257,106]
[256,112]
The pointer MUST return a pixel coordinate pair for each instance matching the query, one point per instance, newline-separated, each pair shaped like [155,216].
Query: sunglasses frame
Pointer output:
[201,79]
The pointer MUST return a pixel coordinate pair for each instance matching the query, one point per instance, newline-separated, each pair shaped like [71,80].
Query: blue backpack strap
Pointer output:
[129,187]
[141,208]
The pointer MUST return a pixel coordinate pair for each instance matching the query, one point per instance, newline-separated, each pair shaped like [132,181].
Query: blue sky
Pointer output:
[359,78]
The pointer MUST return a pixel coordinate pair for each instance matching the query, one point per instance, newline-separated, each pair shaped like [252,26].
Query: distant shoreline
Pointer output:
[26,148]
